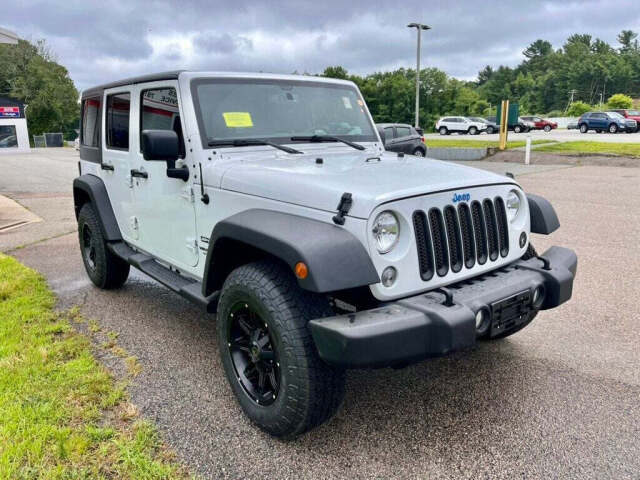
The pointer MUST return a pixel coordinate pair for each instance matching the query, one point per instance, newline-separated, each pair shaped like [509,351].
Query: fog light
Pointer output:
[523,239]
[538,293]
[482,321]
[389,276]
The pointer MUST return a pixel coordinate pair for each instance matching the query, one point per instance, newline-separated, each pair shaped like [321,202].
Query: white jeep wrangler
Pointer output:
[270,200]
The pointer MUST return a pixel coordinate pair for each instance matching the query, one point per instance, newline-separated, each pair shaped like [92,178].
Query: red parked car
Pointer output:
[632,114]
[541,123]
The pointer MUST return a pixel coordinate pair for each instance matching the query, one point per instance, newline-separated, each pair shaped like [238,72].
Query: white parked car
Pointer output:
[462,125]
[270,200]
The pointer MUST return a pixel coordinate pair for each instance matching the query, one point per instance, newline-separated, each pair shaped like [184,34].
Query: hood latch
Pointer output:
[343,208]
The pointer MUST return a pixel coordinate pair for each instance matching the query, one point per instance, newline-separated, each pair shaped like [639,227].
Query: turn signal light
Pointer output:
[301,270]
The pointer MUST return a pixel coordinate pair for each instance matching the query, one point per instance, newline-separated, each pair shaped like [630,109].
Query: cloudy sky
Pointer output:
[100,41]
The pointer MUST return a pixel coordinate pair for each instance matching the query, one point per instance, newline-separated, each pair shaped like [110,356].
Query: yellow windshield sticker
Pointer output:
[237,119]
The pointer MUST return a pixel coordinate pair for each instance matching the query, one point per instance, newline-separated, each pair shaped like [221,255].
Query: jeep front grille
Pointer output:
[452,239]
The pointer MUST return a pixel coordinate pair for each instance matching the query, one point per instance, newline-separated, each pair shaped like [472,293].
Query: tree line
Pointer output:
[30,73]
[581,75]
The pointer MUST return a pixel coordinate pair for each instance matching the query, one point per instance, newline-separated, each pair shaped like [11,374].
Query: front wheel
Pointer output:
[268,353]
[517,129]
[490,130]
[613,128]
[547,128]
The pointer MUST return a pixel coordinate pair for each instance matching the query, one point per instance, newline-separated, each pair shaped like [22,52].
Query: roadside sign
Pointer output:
[514,113]
[9,112]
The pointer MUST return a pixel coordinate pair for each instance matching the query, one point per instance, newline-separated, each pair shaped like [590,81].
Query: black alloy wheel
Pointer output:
[253,356]
[89,247]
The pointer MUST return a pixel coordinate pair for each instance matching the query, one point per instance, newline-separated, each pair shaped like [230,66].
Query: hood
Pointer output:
[371,178]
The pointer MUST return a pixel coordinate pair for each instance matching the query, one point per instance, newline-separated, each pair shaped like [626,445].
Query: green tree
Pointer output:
[29,73]
[578,108]
[628,41]
[620,100]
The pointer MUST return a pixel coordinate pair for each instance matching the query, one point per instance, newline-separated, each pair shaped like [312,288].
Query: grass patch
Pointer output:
[63,415]
[605,148]
[454,143]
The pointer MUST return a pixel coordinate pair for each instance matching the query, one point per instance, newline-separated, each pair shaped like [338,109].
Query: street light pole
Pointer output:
[419,27]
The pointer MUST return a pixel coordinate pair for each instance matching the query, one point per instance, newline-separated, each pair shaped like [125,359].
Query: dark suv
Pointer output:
[611,122]
[400,137]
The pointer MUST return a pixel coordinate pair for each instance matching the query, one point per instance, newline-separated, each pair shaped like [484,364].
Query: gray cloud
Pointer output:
[102,41]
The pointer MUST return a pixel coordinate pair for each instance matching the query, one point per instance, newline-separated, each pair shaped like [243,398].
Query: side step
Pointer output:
[186,287]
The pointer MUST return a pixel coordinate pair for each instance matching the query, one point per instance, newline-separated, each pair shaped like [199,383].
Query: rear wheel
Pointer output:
[517,129]
[547,128]
[443,131]
[584,128]
[267,351]
[418,152]
[103,268]
[473,131]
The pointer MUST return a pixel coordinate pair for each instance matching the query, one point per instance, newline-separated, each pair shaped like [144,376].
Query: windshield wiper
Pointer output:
[326,138]
[250,142]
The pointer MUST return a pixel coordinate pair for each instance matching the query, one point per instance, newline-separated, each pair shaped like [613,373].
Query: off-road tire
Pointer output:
[310,391]
[530,253]
[103,268]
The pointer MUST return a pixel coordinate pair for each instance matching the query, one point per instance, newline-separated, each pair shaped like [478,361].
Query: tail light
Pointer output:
[422,138]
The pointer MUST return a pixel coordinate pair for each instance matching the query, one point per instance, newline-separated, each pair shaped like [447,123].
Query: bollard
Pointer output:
[527,150]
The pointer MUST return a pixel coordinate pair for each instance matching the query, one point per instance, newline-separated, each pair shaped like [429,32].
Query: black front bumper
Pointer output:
[425,325]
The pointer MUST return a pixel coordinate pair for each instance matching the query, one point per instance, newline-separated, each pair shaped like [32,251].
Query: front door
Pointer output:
[164,206]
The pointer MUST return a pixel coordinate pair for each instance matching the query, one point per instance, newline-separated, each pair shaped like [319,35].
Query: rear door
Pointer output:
[164,206]
[403,139]
[117,155]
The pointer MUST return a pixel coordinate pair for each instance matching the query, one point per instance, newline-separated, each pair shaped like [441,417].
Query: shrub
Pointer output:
[620,100]
[578,108]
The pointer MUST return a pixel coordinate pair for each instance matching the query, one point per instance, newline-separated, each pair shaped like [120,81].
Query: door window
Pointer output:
[118,108]
[388,133]
[91,122]
[403,131]
[159,111]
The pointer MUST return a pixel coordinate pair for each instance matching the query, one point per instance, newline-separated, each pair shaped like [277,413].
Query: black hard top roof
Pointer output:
[153,77]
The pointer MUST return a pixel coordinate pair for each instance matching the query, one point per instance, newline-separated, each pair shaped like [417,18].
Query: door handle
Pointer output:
[106,166]
[139,174]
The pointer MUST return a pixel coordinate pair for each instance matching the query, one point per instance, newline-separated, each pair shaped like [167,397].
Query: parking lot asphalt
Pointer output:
[559,135]
[561,399]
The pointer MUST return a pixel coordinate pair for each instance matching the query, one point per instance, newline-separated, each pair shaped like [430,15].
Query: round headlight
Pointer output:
[513,204]
[385,231]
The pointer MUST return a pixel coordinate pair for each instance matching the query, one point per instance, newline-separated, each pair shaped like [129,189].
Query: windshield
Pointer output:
[276,110]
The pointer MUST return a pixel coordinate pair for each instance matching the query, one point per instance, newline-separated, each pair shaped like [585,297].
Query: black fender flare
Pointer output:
[91,188]
[544,219]
[335,258]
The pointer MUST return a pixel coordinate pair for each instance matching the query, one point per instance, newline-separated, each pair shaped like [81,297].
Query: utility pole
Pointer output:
[419,27]
[572,92]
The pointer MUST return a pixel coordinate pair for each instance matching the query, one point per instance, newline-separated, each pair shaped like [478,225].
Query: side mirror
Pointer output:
[164,146]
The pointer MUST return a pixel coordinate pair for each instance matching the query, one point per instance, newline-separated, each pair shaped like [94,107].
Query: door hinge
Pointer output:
[192,245]
[188,194]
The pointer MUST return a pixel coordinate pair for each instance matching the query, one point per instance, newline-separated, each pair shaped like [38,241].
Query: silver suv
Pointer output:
[270,200]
